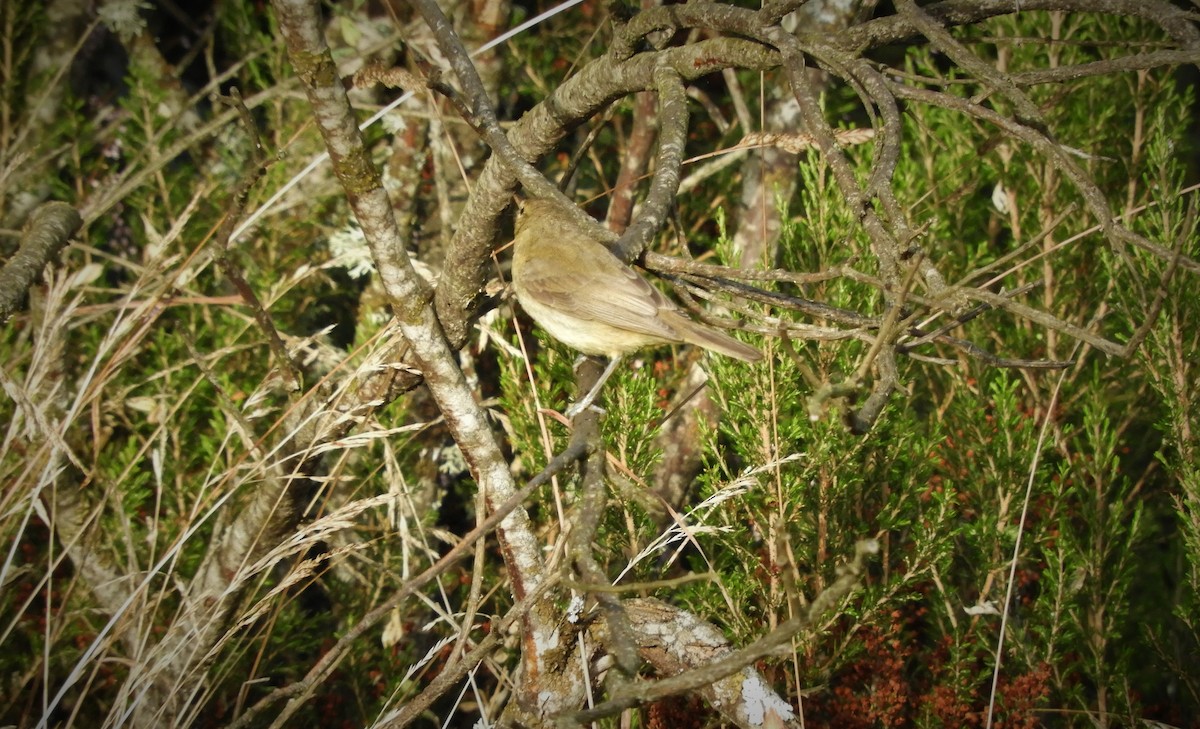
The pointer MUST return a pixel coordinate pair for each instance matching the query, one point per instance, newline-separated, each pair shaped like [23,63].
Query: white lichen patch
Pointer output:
[762,703]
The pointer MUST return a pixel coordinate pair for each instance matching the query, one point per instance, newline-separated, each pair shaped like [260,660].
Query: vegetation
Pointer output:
[278,448]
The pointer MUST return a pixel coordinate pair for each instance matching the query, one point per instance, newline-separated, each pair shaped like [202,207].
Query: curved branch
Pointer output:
[732,663]
[47,231]
[1092,196]
[1176,23]
[672,138]
[595,86]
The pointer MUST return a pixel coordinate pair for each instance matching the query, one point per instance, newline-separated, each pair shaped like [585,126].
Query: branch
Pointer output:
[46,232]
[297,692]
[535,134]
[1175,22]
[672,139]
[711,671]
[466,420]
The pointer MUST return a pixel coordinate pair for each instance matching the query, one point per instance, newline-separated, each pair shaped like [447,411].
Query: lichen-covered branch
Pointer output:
[46,232]
[300,26]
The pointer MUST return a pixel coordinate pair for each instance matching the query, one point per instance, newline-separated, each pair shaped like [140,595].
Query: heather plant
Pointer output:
[279,448]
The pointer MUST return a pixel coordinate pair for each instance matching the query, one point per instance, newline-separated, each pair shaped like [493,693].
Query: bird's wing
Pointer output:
[595,285]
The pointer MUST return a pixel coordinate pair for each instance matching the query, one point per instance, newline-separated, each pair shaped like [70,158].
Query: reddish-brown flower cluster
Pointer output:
[902,679]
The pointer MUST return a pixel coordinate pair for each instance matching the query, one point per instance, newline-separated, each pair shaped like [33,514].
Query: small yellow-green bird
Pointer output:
[587,298]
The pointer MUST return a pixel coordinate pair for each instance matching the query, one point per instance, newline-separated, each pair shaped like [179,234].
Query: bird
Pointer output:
[586,297]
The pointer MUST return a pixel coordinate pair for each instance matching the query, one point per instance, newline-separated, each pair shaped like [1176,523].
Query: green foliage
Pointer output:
[1087,477]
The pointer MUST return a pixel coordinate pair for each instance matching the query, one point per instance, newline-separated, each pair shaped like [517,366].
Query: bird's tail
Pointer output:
[717,341]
